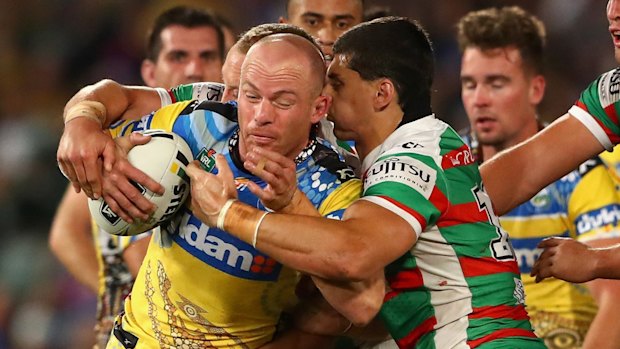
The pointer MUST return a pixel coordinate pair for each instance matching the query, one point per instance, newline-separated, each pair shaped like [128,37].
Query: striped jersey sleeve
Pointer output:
[597,108]
[409,184]
[211,91]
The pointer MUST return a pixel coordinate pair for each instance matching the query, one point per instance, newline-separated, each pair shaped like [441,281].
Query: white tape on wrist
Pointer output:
[260,221]
[222,216]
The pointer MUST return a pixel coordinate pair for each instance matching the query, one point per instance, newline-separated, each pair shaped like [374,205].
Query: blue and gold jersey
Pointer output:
[582,205]
[200,286]
[115,279]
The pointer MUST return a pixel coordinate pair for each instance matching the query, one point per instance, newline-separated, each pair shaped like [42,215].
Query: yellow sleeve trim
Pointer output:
[165,117]
[342,197]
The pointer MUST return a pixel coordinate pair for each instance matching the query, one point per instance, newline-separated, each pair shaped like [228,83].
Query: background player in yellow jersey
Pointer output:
[184,45]
[502,84]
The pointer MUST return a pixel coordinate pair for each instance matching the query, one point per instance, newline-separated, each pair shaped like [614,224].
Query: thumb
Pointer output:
[194,170]
[126,143]
[138,138]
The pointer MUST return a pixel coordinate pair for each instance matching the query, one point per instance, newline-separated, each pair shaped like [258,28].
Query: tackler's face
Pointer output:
[351,96]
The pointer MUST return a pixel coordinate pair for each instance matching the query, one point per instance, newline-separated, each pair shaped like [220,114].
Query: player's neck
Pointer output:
[490,150]
[377,130]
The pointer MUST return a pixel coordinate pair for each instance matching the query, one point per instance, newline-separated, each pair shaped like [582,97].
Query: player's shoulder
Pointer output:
[326,159]
[606,88]
[212,91]
[228,110]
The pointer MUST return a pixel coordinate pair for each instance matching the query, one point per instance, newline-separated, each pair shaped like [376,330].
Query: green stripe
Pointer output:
[183,92]
[449,140]
[470,239]
[403,313]
[492,289]
[479,328]
[427,341]
[405,262]
[591,98]
[461,193]
[344,145]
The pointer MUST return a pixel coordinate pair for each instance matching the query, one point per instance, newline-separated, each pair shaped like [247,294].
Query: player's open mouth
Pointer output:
[485,122]
[615,35]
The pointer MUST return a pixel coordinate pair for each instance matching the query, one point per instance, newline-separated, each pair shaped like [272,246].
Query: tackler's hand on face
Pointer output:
[210,192]
[278,171]
[119,190]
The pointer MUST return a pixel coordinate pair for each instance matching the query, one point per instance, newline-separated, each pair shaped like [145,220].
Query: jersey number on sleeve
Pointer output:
[500,247]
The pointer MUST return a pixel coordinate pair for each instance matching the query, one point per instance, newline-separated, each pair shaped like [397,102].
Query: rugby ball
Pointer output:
[164,158]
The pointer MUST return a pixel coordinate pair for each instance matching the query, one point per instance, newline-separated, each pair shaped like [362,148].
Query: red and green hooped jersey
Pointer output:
[598,106]
[459,285]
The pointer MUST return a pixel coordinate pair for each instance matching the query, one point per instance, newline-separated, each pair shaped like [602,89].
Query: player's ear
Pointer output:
[537,89]
[385,93]
[147,70]
[321,107]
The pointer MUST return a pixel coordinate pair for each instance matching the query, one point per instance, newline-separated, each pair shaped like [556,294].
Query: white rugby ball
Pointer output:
[164,158]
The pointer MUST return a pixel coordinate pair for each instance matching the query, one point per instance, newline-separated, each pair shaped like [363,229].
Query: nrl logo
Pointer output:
[206,159]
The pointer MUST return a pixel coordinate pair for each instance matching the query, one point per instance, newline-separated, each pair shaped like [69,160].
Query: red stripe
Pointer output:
[410,340]
[610,111]
[406,279]
[390,294]
[439,200]
[500,312]
[172,96]
[463,213]
[486,265]
[407,209]
[458,157]
[509,332]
